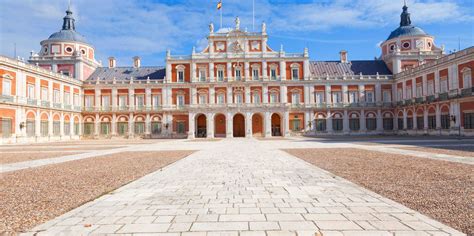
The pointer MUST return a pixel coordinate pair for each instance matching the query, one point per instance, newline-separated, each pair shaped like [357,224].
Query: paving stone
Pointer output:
[302,225]
[264,226]
[144,228]
[216,226]
[242,217]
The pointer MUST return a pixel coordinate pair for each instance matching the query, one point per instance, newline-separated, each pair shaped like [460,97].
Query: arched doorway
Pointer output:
[220,125]
[201,126]
[276,125]
[239,125]
[257,125]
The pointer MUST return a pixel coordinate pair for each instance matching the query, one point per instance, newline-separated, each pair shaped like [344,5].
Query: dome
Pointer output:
[408,30]
[68,35]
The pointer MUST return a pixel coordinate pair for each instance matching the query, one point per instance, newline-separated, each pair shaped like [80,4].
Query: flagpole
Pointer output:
[221,14]
[253,15]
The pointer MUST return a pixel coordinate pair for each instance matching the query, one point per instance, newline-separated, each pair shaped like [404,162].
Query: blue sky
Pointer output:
[147,28]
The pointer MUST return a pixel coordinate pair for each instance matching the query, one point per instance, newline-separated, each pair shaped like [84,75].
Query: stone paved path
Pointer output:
[242,187]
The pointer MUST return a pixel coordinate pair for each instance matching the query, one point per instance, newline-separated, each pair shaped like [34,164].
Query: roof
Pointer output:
[126,73]
[336,68]
[68,35]
[408,30]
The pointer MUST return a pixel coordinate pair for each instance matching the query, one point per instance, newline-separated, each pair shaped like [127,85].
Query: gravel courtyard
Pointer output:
[233,187]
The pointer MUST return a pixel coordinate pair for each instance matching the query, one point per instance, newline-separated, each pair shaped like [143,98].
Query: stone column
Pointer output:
[438,116]
[229,71]
[413,88]
[361,93]
[404,90]
[345,122]
[345,95]
[61,125]
[286,124]
[247,71]
[265,93]
[378,92]
[379,120]
[131,130]
[211,71]
[38,90]
[61,96]
[363,127]
[38,123]
[50,93]
[193,96]
[268,124]
[96,125]
[437,82]
[212,95]
[425,85]
[329,122]
[147,124]
[230,125]
[168,72]
[425,119]
[192,125]
[131,99]
[311,94]
[307,120]
[193,72]
[247,95]
[283,70]
[306,95]
[210,125]
[248,125]
[283,95]
[114,98]
[306,73]
[328,97]
[148,104]
[229,98]
[405,116]
[264,70]
[113,125]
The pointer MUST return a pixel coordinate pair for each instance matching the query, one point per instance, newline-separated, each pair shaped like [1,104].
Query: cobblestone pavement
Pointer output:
[242,187]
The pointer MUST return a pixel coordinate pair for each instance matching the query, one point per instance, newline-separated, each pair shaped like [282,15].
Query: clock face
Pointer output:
[419,44]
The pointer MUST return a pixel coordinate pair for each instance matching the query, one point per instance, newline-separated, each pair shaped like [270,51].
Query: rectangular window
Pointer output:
[238,98]
[468,120]
[156,99]
[409,92]
[238,74]
[419,90]
[220,75]
[320,125]
[400,123]
[354,124]
[88,129]
[273,74]
[202,98]
[337,124]
[76,129]
[319,97]
[7,87]
[295,74]
[122,102]
[140,101]
[256,98]
[139,128]
[336,97]
[180,100]
[443,85]
[181,76]
[180,127]
[388,124]
[430,88]
[56,96]
[445,122]
[255,74]
[67,98]
[76,100]
[410,123]
[56,128]
[371,123]
[44,94]
[273,98]
[420,124]
[30,128]
[6,127]
[156,127]
[67,128]
[296,125]
[467,80]
[353,97]
[369,96]
[431,122]
[295,98]
[400,94]
[44,128]
[122,128]
[104,128]
[387,96]
[105,102]
[31,91]
[89,101]
[220,98]
[202,75]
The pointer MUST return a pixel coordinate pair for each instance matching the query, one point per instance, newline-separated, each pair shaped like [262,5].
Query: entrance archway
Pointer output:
[257,125]
[220,125]
[239,125]
[276,125]
[201,126]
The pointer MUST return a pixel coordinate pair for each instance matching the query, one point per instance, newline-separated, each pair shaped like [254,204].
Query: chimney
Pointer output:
[136,62]
[112,62]
[343,55]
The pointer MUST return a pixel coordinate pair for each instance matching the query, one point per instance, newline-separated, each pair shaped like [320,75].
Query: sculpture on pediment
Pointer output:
[237,23]
[264,27]
[211,27]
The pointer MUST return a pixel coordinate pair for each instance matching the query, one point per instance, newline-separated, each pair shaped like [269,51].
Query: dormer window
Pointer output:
[406,45]
[45,49]
[68,49]
[392,47]
[295,71]
[83,51]
[180,74]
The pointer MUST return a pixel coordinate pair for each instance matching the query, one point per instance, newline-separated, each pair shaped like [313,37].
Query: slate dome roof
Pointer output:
[67,35]
[409,30]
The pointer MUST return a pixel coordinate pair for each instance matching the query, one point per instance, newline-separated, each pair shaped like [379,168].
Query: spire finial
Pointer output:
[68,20]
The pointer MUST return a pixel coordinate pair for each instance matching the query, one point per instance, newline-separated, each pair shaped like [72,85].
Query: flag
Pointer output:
[219,5]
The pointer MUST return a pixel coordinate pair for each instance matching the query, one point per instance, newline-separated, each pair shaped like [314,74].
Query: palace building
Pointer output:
[238,86]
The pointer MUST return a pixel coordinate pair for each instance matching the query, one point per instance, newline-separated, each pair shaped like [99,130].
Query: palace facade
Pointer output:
[238,86]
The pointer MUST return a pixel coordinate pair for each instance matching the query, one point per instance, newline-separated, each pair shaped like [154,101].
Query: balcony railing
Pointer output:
[6,98]
[409,102]
[419,100]
[32,102]
[57,105]
[387,104]
[88,109]
[45,104]
[453,93]
[400,103]
[467,92]
[431,98]
[443,96]
[67,107]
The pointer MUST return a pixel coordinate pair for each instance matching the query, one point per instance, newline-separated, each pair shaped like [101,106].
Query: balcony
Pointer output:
[45,104]
[431,98]
[337,105]
[467,92]
[370,104]
[6,98]
[123,108]
[32,102]
[140,108]
[156,108]
[67,107]
[443,96]
[419,100]
[106,109]
[88,109]
[400,103]
[408,102]
[354,104]
[387,104]
[454,93]
[77,108]
[57,105]
[297,106]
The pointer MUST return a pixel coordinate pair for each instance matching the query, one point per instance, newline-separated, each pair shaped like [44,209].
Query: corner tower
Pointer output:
[408,46]
[67,51]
